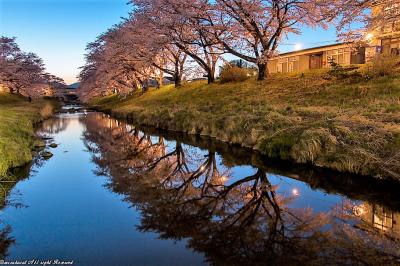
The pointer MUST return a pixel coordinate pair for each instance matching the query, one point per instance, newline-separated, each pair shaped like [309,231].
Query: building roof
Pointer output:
[312,48]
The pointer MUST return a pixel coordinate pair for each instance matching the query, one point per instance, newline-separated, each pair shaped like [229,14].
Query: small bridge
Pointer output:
[68,95]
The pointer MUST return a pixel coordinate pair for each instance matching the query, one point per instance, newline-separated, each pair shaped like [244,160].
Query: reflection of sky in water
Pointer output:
[70,214]
[303,195]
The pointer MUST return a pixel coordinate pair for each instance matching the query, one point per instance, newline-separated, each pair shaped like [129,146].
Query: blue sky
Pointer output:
[58,30]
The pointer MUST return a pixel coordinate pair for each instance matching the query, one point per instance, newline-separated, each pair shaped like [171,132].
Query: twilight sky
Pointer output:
[58,30]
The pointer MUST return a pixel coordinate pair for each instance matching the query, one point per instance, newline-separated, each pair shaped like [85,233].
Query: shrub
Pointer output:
[384,65]
[234,74]
[336,69]
[46,111]
[340,72]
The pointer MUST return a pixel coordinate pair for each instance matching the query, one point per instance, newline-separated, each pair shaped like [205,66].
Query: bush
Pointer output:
[384,65]
[234,74]
[47,110]
[339,72]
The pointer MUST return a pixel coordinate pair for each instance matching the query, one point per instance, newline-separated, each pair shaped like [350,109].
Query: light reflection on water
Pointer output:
[114,194]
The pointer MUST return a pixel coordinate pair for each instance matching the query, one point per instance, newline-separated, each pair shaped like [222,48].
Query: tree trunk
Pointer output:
[160,80]
[178,80]
[262,71]
[178,74]
[210,77]
[138,85]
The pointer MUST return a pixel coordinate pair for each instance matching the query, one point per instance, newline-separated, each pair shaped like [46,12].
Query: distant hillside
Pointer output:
[74,85]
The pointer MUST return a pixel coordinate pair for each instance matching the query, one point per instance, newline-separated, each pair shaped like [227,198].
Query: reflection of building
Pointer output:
[380,218]
[383,37]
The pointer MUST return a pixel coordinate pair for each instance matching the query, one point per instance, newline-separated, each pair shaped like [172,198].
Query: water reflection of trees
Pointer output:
[8,195]
[186,194]
[10,199]
[5,241]
[54,125]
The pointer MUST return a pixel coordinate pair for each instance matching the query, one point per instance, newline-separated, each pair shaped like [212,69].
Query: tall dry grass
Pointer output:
[350,125]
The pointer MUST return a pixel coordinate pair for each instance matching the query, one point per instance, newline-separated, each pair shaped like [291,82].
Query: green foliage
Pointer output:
[16,137]
[17,120]
[339,72]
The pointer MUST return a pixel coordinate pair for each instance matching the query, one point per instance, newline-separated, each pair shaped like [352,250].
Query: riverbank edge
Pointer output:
[38,112]
[141,120]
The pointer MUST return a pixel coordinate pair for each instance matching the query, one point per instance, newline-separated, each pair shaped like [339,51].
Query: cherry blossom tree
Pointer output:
[163,37]
[24,73]
[360,20]
[252,30]
[128,56]
[185,25]
[19,70]
[107,70]
[171,60]
[145,41]
[54,81]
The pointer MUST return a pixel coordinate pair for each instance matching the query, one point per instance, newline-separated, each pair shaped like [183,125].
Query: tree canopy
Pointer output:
[179,38]
[22,72]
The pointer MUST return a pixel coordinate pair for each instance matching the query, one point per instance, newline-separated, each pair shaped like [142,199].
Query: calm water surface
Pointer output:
[114,194]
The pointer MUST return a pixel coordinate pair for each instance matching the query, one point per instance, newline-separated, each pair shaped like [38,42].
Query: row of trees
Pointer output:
[166,37]
[24,73]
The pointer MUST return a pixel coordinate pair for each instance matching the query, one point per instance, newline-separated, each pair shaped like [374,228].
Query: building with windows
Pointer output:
[316,58]
[383,38]
[385,29]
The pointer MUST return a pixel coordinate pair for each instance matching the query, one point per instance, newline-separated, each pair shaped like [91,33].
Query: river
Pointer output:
[116,194]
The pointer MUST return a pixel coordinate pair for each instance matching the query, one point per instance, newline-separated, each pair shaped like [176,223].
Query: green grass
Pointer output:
[17,120]
[350,125]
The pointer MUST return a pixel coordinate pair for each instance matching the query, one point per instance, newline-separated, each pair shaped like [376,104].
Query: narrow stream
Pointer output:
[115,194]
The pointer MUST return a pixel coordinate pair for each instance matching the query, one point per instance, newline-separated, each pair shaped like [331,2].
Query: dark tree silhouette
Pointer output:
[184,194]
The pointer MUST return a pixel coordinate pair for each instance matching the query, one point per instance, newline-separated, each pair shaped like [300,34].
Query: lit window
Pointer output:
[383,219]
[340,56]
[283,65]
[294,64]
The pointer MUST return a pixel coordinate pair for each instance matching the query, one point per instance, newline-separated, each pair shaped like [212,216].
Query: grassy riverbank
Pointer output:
[18,118]
[350,125]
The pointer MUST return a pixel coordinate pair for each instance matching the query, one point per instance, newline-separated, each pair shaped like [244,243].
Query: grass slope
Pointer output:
[17,120]
[347,125]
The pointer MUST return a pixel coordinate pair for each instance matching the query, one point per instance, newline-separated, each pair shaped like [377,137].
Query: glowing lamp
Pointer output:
[298,47]
[369,36]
